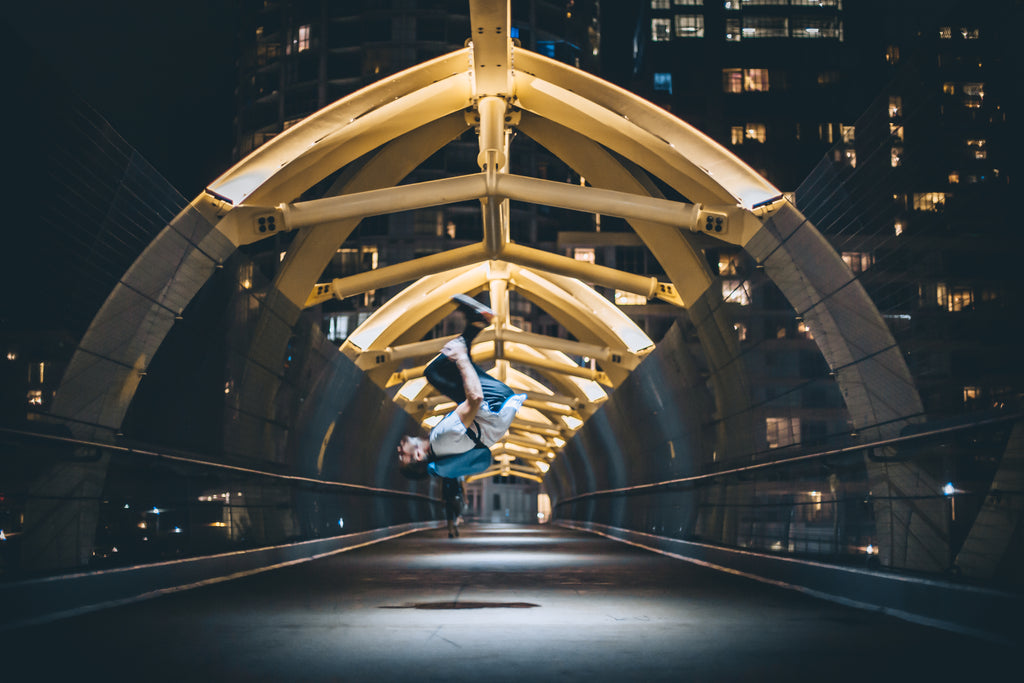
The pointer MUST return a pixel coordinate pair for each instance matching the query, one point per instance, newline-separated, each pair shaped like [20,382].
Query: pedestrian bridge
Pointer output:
[658,445]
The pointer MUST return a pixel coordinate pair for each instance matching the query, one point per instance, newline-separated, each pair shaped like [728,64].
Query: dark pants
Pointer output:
[444,375]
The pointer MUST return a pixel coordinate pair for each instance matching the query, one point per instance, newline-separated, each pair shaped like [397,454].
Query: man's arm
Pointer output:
[456,351]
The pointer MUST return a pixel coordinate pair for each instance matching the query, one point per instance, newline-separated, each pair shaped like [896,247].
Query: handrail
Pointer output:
[217,465]
[789,461]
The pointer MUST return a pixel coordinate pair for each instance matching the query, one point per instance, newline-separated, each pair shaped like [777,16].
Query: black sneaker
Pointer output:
[477,314]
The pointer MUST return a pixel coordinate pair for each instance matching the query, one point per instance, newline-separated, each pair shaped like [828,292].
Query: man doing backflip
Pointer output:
[459,445]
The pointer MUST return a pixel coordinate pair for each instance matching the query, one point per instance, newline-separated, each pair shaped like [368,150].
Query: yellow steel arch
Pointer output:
[402,120]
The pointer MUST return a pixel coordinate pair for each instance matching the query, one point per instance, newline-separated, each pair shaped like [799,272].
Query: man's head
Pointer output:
[413,453]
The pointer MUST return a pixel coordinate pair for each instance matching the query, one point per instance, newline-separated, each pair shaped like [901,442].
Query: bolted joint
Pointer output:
[712,222]
[491,111]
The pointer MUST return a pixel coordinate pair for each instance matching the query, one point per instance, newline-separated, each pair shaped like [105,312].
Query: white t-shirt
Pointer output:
[449,435]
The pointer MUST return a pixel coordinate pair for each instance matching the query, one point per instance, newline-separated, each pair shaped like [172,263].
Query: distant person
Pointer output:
[453,493]
[459,445]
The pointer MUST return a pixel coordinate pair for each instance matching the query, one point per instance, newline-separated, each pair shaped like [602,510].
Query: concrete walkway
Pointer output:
[500,603]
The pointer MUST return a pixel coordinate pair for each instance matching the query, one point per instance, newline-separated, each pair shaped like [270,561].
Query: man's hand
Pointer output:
[455,350]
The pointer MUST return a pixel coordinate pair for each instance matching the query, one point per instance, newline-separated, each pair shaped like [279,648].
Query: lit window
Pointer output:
[970,33]
[585,254]
[892,54]
[895,106]
[858,261]
[895,156]
[629,298]
[782,431]
[736,291]
[661,30]
[971,394]
[954,177]
[755,131]
[737,134]
[813,27]
[733,31]
[828,77]
[940,294]
[850,157]
[897,228]
[960,299]
[804,330]
[689,3]
[765,27]
[949,88]
[35,397]
[929,201]
[896,131]
[338,327]
[976,149]
[689,26]
[732,80]
[728,264]
[660,4]
[825,132]
[945,32]
[849,134]
[663,82]
[741,331]
[755,80]
[303,38]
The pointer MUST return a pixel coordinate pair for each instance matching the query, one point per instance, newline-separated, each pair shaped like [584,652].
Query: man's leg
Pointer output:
[444,375]
[496,392]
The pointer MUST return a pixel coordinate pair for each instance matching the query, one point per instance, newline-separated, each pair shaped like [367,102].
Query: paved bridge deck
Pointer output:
[501,603]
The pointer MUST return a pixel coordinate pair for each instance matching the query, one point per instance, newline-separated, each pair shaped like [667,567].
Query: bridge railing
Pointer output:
[68,506]
[822,506]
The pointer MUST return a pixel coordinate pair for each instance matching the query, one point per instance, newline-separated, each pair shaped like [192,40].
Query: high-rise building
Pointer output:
[889,125]
[926,173]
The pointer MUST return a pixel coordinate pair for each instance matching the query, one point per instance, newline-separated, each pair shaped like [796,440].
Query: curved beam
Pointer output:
[313,248]
[680,261]
[693,148]
[276,156]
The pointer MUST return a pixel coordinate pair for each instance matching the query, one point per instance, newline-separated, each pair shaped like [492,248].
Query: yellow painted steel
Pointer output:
[391,126]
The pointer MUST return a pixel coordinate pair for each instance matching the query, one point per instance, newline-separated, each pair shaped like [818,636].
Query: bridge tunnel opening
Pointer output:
[611,408]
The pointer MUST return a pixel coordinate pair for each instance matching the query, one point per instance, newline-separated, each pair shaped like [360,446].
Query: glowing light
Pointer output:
[871,550]
[2,537]
[558,442]
[949,489]
[412,388]
[11,355]
[341,523]
[176,530]
[155,511]
[572,422]
[542,466]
